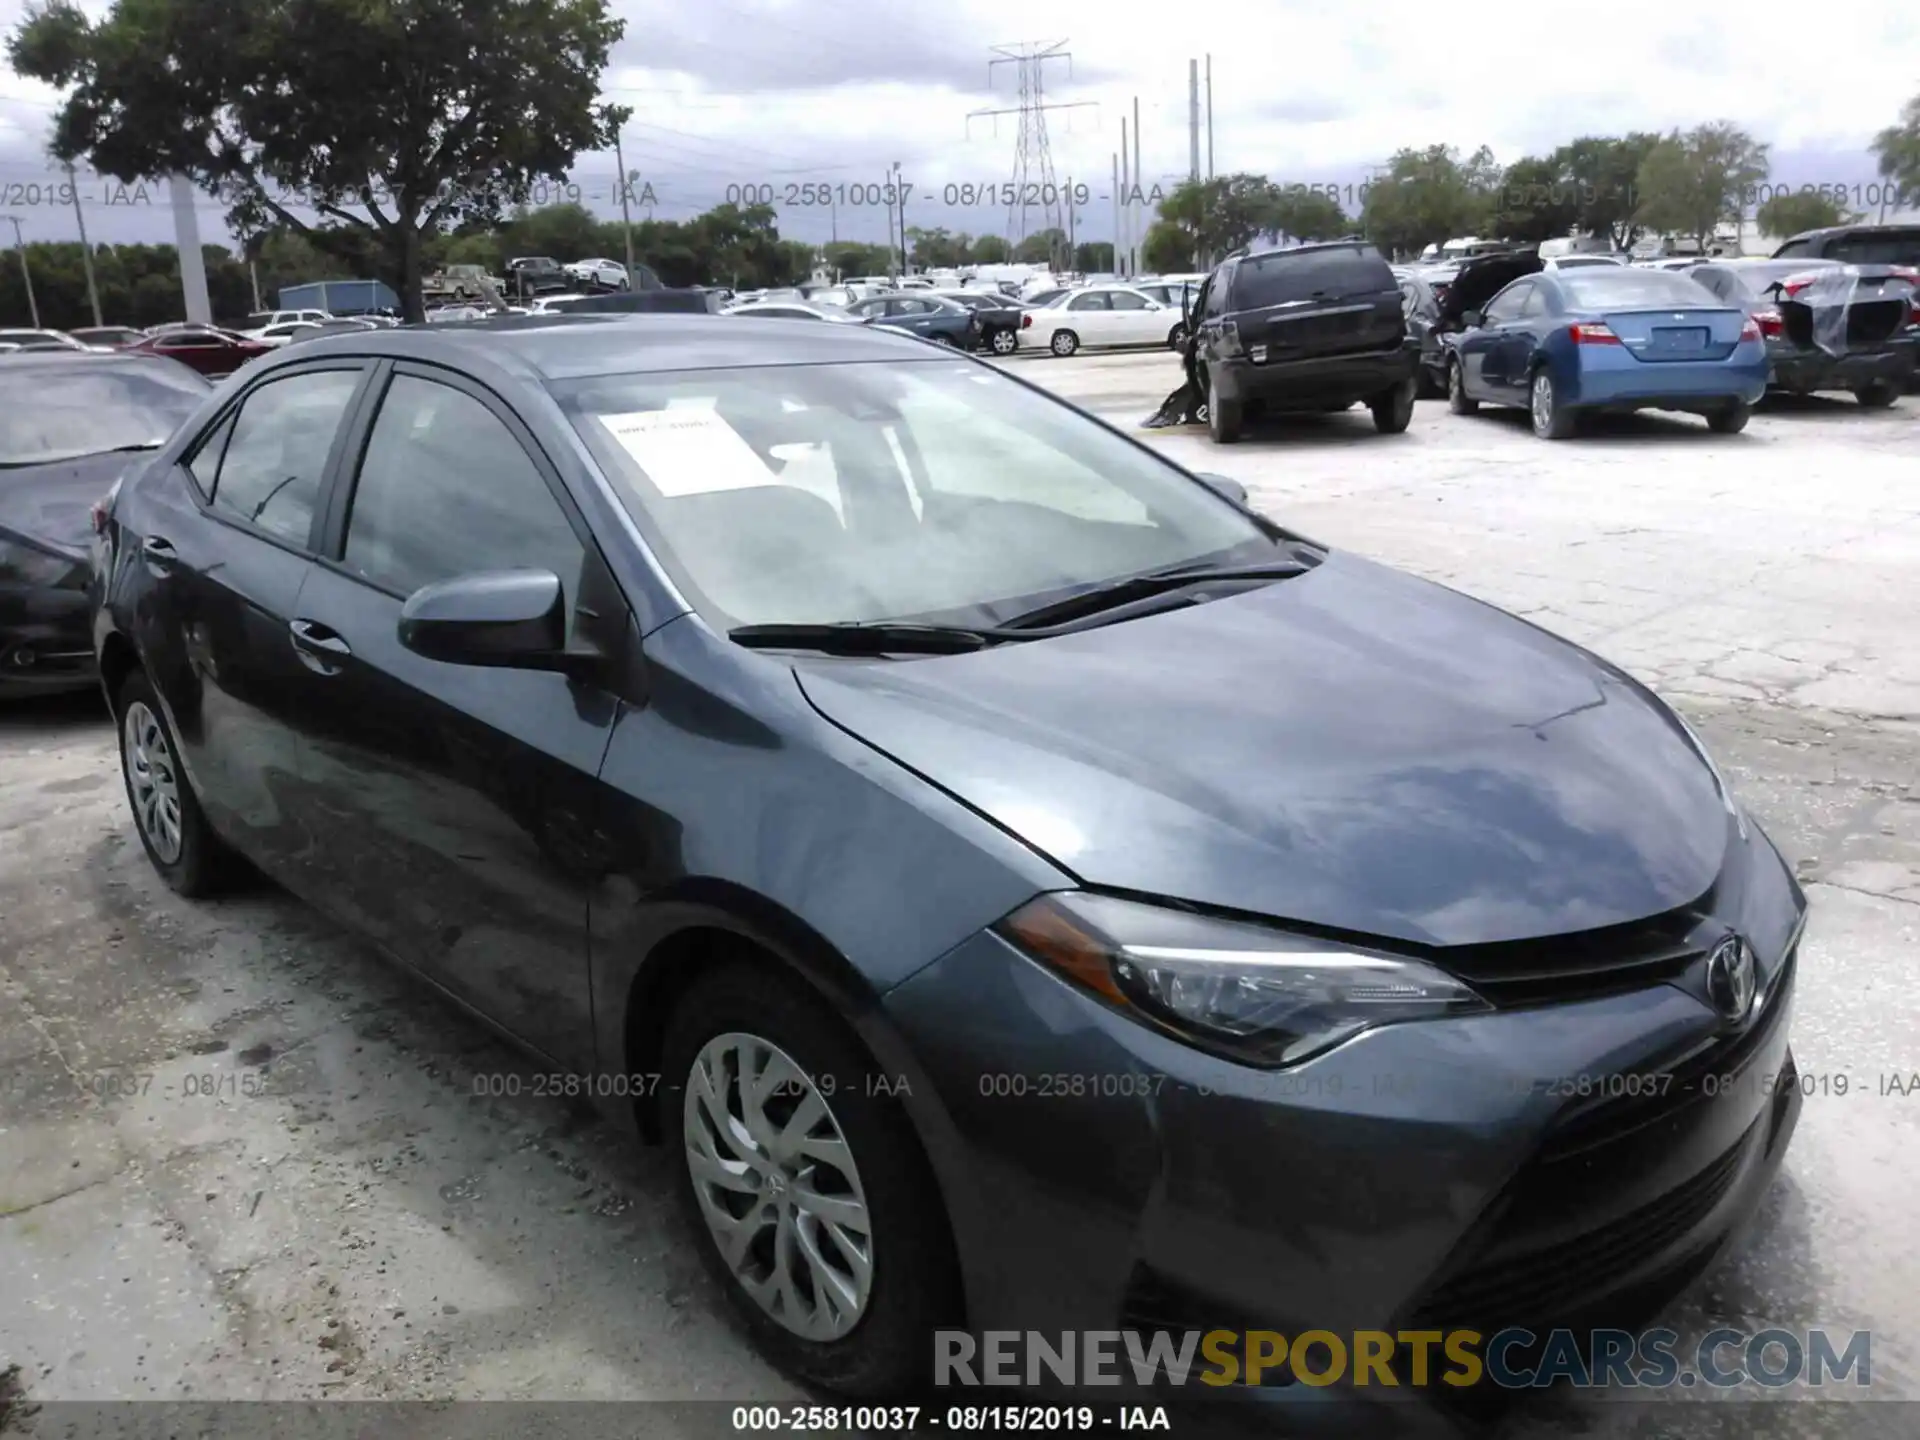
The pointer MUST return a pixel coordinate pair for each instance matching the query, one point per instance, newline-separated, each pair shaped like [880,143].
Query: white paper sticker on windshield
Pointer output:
[688,451]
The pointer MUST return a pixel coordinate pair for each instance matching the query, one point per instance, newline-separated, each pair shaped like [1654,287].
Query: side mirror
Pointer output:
[1472,319]
[1224,486]
[516,619]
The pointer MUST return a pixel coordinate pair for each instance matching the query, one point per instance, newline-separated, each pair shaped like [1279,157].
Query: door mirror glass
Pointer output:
[1225,486]
[511,618]
[1472,319]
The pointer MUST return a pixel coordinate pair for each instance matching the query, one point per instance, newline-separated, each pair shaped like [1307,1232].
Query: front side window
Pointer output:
[445,489]
[846,492]
[1127,300]
[276,456]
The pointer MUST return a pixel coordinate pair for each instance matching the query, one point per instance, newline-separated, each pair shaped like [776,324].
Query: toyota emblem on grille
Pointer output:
[1730,978]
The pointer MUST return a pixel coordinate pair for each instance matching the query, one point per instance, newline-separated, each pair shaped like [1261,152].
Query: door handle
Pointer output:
[155,547]
[319,648]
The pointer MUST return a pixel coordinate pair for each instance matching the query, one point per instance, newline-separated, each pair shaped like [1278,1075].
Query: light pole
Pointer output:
[26,271]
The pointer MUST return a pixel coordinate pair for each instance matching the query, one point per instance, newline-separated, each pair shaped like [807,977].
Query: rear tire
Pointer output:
[1877,396]
[876,1347]
[1003,342]
[1730,421]
[166,813]
[1393,411]
[1551,420]
[1224,417]
[1458,401]
[1064,343]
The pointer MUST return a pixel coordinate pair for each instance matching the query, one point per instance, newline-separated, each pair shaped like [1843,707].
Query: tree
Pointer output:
[1043,247]
[1537,200]
[1898,150]
[1790,212]
[991,250]
[1604,174]
[938,249]
[1691,184]
[1430,196]
[1216,217]
[391,120]
[1093,257]
[1307,215]
[853,258]
[1168,247]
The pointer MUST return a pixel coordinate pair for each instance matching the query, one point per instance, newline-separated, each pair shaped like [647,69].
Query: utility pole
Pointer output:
[253,279]
[1193,119]
[1033,180]
[1140,220]
[26,270]
[1114,261]
[900,199]
[86,250]
[1209,117]
[193,263]
[1126,202]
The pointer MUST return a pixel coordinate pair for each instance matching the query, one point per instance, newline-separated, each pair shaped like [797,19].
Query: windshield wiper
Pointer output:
[881,637]
[1116,593]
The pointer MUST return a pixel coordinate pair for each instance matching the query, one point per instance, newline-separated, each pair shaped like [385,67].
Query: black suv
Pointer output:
[1316,327]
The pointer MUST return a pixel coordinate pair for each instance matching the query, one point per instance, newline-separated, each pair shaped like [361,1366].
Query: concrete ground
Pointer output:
[241,1158]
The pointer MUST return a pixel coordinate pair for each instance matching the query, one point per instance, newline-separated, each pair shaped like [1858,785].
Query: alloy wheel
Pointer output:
[152,780]
[1542,403]
[777,1185]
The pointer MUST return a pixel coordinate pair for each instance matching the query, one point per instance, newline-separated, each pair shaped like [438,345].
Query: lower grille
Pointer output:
[1504,1285]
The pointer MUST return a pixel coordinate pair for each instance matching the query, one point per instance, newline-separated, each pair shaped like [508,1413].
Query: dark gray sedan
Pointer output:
[1022,887]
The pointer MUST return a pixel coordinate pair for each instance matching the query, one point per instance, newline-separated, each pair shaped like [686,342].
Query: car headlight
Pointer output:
[1253,994]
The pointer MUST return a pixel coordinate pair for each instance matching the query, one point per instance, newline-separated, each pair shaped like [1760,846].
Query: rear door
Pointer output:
[1305,303]
[1090,316]
[225,544]
[457,802]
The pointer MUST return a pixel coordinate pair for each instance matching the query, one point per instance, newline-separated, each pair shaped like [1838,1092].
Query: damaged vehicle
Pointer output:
[1827,325]
[1566,343]
[1313,327]
[69,425]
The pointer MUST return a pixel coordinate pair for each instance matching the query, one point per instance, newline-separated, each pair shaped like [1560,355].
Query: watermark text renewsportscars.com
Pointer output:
[1511,1359]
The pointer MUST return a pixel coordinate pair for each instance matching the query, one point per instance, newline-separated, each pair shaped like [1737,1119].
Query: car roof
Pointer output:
[79,360]
[567,347]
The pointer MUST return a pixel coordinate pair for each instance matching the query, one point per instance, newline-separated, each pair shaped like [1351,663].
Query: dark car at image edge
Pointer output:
[849,711]
[1310,327]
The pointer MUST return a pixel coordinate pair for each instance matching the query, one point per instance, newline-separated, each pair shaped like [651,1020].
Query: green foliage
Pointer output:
[991,250]
[1691,184]
[1537,200]
[1430,196]
[1604,172]
[1093,257]
[1168,247]
[1302,214]
[1897,149]
[1043,247]
[391,119]
[1788,213]
[1203,220]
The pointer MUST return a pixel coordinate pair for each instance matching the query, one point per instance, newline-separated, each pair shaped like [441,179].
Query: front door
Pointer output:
[457,802]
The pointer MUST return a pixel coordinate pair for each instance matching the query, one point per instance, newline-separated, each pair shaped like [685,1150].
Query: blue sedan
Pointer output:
[1609,337]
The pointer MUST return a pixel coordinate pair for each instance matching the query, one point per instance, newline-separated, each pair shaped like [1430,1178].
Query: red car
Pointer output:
[210,351]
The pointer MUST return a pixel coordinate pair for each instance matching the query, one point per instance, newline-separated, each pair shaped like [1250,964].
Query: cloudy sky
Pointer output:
[785,93]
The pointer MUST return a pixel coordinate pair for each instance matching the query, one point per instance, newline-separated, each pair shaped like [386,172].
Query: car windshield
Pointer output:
[1622,287]
[49,414]
[862,492]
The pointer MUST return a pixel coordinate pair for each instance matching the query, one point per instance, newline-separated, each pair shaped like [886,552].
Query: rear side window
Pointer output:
[1794,247]
[271,469]
[1281,278]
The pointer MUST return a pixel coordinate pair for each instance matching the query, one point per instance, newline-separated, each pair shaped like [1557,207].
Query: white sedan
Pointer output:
[278,335]
[609,273]
[1098,315]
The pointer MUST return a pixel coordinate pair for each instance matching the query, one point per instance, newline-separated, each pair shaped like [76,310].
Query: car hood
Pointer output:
[1355,748]
[52,504]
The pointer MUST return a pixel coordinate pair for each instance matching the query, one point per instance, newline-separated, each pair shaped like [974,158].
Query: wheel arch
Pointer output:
[118,660]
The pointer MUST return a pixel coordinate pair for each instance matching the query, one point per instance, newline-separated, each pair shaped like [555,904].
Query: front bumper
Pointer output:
[1804,371]
[46,641]
[1100,1176]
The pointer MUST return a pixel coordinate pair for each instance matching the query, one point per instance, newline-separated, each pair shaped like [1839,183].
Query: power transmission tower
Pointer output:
[1034,183]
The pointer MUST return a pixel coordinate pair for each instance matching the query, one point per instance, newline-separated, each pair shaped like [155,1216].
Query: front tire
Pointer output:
[166,814]
[1064,343]
[1393,411]
[1551,420]
[1458,401]
[1730,421]
[815,1208]
[1877,396]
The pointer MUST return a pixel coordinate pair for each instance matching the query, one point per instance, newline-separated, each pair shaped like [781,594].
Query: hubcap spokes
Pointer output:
[777,1185]
[152,781]
[1542,403]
